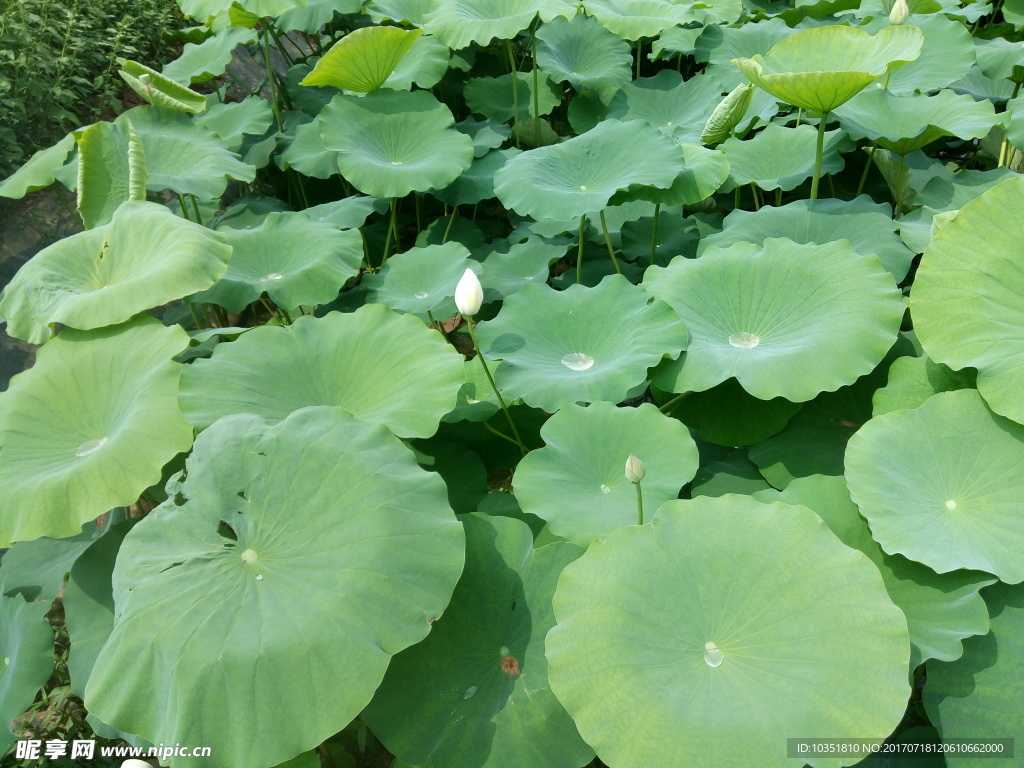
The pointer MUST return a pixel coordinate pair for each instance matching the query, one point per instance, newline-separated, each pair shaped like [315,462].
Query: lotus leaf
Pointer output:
[579,50]
[391,143]
[145,257]
[203,9]
[786,320]
[633,19]
[457,23]
[38,172]
[347,213]
[160,90]
[782,158]
[947,55]
[89,427]
[824,67]
[576,482]
[486,134]
[477,182]
[310,17]
[380,366]
[475,692]
[104,176]
[492,96]
[679,108]
[912,380]
[1000,58]
[424,64]
[580,175]
[307,154]
[349,566]
[719,45]
[420,281]
[579,345]
[763,617]
[704,172]
[412,11]
[232,122]
[941,610]
[35,570]
[732,473]
[364,59]
[966,300]
[941,484]
[866,225]
[26,647]
[522,264]
[202,62]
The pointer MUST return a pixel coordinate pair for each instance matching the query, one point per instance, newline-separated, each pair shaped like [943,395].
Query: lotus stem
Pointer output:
[515,92]
[757,197]
[799,115]
[654,232]
[579,251]
[448,229]
[608,242]
[490,379]
[898,194]
[1004,148]
[536,85]
[819,150]
[272,81]
[195,316]
[498,433]
[671,403]
[394,226]
[387,237]
[867,167]
[195,207]
[639,505]
[183,207]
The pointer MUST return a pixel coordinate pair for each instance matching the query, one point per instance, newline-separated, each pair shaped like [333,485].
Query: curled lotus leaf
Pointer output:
[457,23]
[582,52]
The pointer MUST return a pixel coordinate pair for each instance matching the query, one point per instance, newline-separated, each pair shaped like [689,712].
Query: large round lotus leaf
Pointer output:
[999,58]
[424,64]
[719,45]
[824,67]
[786,320]
[380,366]
[912,380]
[727,415]
[579,50]
[905,123]
[704,172]
[475,693]
[946,56]
[577,481]
[457,23]
[412,11]
[362,60]
[978,696]
[581,344]
[968,297]
[866,225]
[477,182]
[307,154]
[678,107]
[391,143]
[233,121]
[522,264]
[633,19]
[26,647]
[492,96]
[942,484]
[202,62]
[421,280]
[315,538]
[941,609]
[145,257]
[292,259]
[567,180]
[704,638]
[89,427]
[782,158]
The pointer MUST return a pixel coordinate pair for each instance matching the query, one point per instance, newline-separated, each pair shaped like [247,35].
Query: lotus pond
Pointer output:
[531,385]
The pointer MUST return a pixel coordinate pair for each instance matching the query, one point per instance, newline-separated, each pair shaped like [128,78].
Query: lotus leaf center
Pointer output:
[951,505]
[249,556]
[583,187]
[90,447]
[273,276]
[744,340]
[605,489]
[469,692]
[421,294]
[396,162]
[713,655]
[578,361]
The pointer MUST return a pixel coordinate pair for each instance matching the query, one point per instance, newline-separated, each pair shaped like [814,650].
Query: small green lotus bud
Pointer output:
[727,114]
[635,469]
[899,13]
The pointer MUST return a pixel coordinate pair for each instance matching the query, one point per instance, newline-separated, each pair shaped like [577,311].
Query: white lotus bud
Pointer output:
[635,469]
[135,764]
[899,13]
[469,294]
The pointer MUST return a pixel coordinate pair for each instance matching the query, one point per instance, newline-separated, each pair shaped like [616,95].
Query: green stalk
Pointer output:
[490,379]
[184,208]
[394,223]
[1004,148]
[579,251]
[899,188]
[274,104]
[515,92]
[496,433]
[818,151]
[654,232]
[668,406]
[608,242]
[195,207]
[536,88]
[867,167]
[639,505]
[448,229]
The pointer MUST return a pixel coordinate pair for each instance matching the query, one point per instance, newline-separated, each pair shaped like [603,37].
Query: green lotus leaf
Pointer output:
[912,380]
[293,260]
[719,45]
[476,400]
[866,225]
[941,484]
[477,182]
[492,96]
[424,64]
[673,236]
[347,213]
[201,10]
[411,11]
[345,554]
[202,62]
[362,60]
[975,696]
[88,427]
[38,172]
[680,108]
[966,299]
[160,90]
[905,123]
[522,264]
[633,19]
[567,180]
[705,170]
[786,320]
[145,257]
[946,56]
[579,50]
[823,67]
[727,415]
[475,692]
[486,134]
[104,176]
[310,17]
[941,610]
[579,345]
[675,41]
[391,143]
[732,472]
[232,122]
[577,481]
[307,154]
[26,646]
[1000,58]
[726,622]
[380,366]
[782,158]
[457,23]
[421,280]
[35,570]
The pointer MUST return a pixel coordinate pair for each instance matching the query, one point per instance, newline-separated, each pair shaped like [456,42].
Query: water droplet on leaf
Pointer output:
[713,655]
[90,446]
[470,692]
[578,361]
[744,340]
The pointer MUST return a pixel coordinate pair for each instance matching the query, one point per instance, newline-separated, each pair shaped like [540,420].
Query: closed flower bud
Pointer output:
[469,294]
[899,13]
[727,114]
[635,469]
